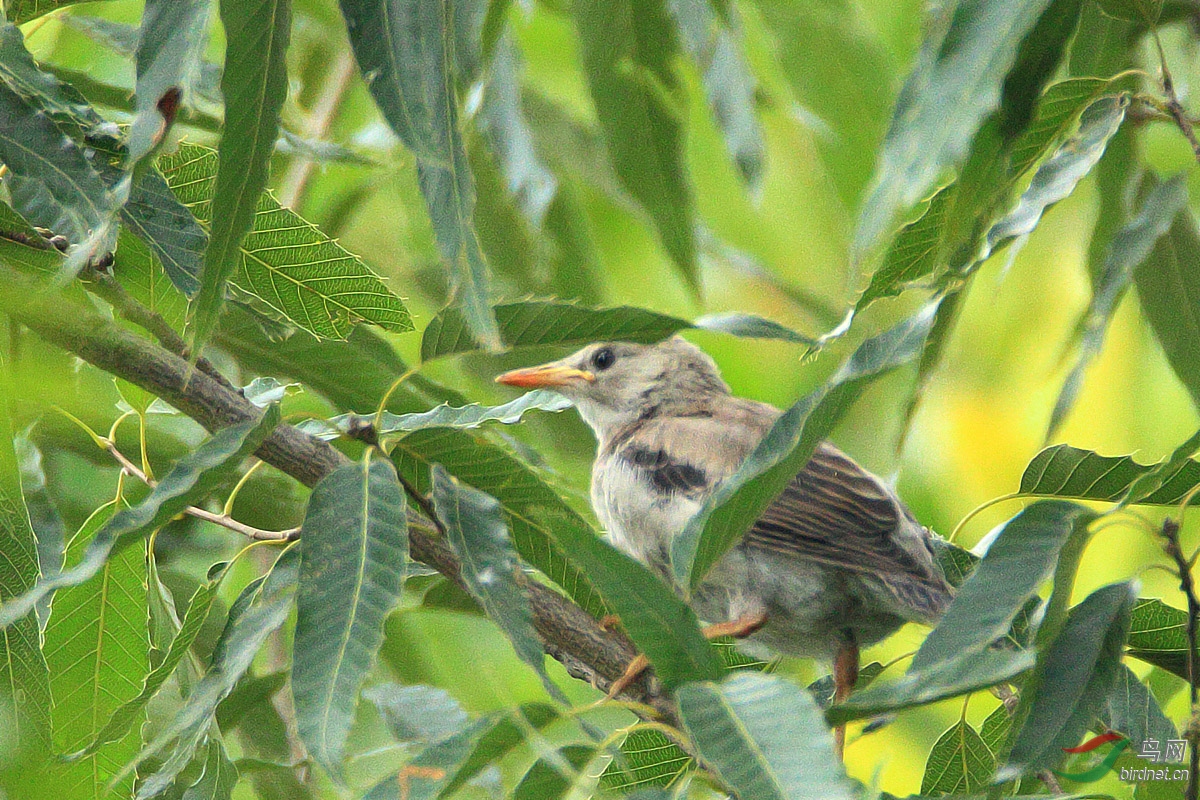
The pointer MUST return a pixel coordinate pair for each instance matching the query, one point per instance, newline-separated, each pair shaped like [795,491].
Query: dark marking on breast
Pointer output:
[667,475]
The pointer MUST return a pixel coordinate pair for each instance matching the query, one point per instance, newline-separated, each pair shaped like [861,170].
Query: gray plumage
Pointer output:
[837,560]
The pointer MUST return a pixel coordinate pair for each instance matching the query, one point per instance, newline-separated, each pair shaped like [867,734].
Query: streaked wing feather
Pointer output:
[834,512]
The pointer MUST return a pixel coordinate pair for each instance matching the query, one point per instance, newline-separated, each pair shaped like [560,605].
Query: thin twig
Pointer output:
[1174,107]
[323,113]
[224,520]
[1170,534]
[424,504]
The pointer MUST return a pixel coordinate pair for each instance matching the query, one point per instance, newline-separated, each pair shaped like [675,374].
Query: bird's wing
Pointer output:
[834,512]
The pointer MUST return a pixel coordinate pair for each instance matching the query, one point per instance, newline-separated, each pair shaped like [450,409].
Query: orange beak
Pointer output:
[547,376]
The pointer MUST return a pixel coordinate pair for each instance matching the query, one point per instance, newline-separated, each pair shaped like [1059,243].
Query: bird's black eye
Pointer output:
[603,359]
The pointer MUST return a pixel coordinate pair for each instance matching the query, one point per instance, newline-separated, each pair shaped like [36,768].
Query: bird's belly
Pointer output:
[810,609]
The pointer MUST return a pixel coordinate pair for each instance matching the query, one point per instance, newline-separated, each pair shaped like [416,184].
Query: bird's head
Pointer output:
[614,384]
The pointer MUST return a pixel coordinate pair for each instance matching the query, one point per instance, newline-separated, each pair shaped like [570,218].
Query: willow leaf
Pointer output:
[443,416]
[286,263]
[96,648]
[123,717]
[533,511]
[254,83]
[191,479]
[765,737]
[1073,473]
[532,323]
[628,49]
[355,544]
[24,680]
[258,611]
[476,531]
[944,101]
[406,48]
[959,762]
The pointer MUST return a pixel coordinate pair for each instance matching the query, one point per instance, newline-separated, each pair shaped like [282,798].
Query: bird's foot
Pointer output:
[609,622]
[738,628]
[845,675]
[636,667]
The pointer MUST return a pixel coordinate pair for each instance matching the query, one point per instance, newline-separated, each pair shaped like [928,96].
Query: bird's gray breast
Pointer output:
[644,498]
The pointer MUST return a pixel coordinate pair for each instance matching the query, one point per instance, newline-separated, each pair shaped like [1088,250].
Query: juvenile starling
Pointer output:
[835,563]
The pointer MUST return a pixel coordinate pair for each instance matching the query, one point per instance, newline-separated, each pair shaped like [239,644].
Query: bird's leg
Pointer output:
[845,675]
[738,628]
[636,667]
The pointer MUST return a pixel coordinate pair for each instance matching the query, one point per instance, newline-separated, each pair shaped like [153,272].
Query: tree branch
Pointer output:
[1170,534]
[568,632]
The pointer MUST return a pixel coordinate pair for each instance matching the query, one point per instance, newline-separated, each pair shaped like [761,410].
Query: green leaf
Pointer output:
[628,49]
[141,273]
[254,84]
[1037,60]
[958,762]
[955,85]
[531,323]
[192,478]
[151,212]
[750,326]
[287,264]
[1017,563]
[355,544]
[1131,708]
[20,11]
[648,758]
[444,416]
[218,777]
[1058,176]
[965,673]
[96,648]
[417,713]
[405,50]
[1158,635]
[354,374]
[1074,677]
[24,680]
[416,780]
[536,516]
[933,241]
[48,527]
[765,738]
[476,532]
[1168,284]
[728,82]
[261,608]
[730,511]
[1069,472]
[170,44]
[1129,247]
[1163,472]
[50,180]
[1144,11]
[663,627]
[915,253]
[843,75]
[555,775]
[509,730]
[502,117]
[122,718]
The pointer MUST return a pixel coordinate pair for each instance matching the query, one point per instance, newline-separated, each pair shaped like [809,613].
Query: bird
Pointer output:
[836,563]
